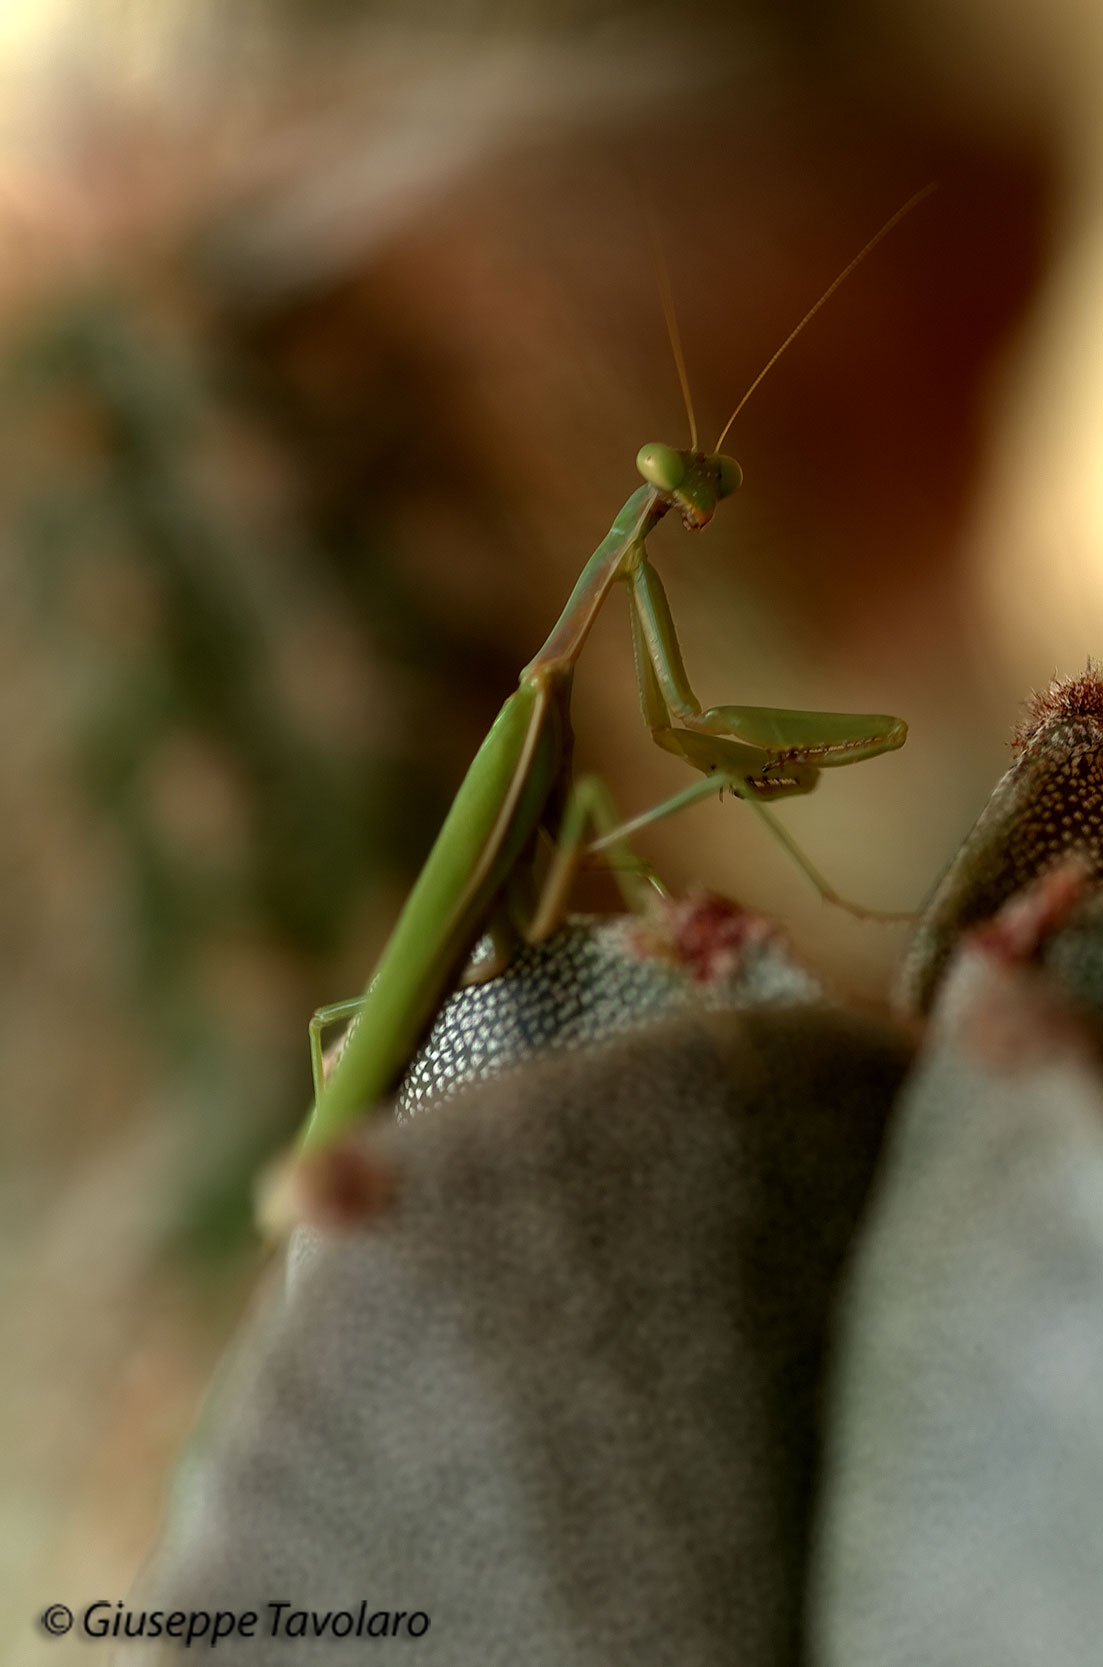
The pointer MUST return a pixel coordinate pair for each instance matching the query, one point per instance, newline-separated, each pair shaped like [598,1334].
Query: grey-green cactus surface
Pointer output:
[743,1329]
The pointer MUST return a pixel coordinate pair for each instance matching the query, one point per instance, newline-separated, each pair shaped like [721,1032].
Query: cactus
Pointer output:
[758,1332]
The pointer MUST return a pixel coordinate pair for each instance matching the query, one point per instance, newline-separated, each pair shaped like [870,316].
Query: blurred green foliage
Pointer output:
[171,602]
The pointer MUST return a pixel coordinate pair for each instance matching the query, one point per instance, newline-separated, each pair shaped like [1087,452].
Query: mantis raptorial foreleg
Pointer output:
[755,752]
[590,811]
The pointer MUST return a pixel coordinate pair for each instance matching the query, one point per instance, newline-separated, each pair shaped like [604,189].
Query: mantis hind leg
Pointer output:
[590,810]
[320,1022]
[809,869]
[752,791]
[490,956]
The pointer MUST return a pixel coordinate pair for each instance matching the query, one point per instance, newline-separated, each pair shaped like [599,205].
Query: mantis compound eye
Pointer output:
[661,466]
[730,476]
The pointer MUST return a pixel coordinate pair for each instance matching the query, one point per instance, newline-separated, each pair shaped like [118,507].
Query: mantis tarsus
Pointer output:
[518,781]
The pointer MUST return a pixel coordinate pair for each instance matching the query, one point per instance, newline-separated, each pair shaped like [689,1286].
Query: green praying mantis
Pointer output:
[519,781]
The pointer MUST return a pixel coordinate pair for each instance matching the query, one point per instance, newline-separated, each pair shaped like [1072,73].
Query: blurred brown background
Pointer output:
[330,334]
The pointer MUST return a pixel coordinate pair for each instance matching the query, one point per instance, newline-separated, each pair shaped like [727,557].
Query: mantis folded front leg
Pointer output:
[757,753]
[520,778]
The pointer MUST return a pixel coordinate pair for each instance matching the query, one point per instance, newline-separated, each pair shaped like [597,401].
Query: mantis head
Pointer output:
[691,482]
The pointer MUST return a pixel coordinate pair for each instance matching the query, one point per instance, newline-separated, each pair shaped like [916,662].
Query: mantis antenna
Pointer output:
[674,335]
[893,220]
